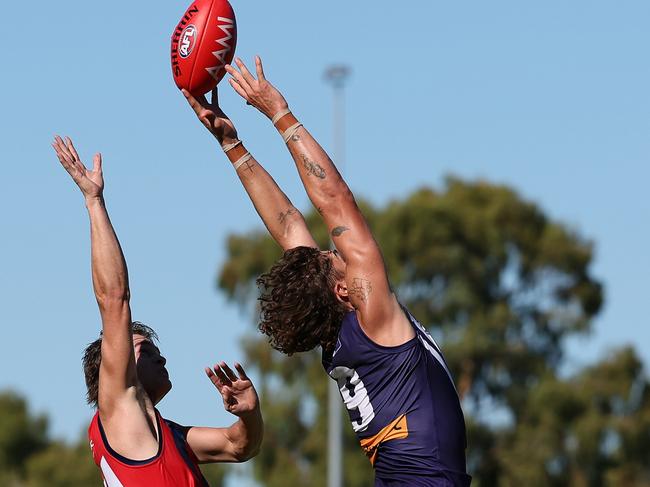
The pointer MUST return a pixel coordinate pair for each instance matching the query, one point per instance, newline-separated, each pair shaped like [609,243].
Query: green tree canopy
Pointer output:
[21,436]
[592,429]
[63,465]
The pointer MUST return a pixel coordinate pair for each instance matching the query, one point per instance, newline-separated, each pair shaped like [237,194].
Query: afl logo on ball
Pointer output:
[187,41]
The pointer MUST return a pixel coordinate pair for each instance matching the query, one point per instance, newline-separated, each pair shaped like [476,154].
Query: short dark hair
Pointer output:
[299,309]
[93,358]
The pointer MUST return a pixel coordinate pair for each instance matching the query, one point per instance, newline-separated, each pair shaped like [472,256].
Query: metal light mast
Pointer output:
[336,76]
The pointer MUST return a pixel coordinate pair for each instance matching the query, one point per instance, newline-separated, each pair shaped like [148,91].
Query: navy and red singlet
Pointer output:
[175,464]
[403,406]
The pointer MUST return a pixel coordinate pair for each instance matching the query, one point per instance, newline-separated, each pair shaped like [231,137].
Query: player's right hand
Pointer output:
[212,116]
[238,393]
[90,182]
[257,92]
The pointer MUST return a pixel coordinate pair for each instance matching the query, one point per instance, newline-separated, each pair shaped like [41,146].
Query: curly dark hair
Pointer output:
[299,309]
[93,358]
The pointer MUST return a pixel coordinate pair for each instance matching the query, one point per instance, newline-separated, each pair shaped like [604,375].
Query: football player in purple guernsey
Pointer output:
[393,379]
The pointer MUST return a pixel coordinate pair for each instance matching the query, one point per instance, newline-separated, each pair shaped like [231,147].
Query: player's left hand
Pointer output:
[238,393]
[257,92]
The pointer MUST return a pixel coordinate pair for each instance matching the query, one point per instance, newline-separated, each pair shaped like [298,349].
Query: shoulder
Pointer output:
[177,430]
[389,328]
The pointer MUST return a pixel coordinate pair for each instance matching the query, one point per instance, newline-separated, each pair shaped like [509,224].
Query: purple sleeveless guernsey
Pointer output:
[403,406]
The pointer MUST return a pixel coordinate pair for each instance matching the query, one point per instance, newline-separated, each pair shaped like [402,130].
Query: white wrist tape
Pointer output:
[290,132]
[279,115]
[229,147]
[242,160]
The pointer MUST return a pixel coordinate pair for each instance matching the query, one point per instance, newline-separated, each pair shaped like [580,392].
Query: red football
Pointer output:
[202,44]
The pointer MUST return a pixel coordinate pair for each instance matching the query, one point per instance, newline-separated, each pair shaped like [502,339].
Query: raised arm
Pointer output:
[367,282]
[129,429]
[241,441]
[283,221]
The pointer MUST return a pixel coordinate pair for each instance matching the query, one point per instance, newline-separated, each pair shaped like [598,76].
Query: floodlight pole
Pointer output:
[336,76]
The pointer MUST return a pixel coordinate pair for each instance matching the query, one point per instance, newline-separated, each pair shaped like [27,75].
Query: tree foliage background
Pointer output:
[501,286]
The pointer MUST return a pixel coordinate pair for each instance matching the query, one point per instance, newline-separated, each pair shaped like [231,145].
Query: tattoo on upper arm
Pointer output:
[312,167]
[295,137]
[338,231]
[282,217]
[361,288]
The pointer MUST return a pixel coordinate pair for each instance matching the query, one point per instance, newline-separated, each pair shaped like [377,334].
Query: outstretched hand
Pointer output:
[257,92]
[90,182]
[239,395]
[212,116]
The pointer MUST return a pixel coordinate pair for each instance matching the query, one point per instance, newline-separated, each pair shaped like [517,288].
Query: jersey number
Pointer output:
[355,397]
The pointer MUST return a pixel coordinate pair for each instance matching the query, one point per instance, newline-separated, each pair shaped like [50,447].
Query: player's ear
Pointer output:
[341,291]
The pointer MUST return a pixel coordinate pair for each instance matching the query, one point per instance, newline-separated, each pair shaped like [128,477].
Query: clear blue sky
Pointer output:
[549,97]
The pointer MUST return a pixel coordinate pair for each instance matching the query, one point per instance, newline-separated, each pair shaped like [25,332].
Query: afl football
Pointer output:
[203,42]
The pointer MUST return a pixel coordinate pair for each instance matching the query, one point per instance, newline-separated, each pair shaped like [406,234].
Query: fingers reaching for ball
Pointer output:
[259,68]
[257,92]
[211,115]
[196,104]
[245,73]
[235,82]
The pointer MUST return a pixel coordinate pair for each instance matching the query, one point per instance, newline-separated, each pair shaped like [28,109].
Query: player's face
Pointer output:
[150,365]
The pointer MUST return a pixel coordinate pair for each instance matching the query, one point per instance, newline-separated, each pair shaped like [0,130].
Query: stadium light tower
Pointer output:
[336,76]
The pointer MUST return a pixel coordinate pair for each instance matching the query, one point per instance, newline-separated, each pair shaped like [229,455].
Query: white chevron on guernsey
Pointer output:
[430,344]
[110,479]
[222,53]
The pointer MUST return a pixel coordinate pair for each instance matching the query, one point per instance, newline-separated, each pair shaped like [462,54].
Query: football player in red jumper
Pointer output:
[132,444]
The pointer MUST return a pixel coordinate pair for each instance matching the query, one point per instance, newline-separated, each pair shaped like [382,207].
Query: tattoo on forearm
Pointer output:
[360,289]
[248,166]
[312,167]
[338,231]
[282,217]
